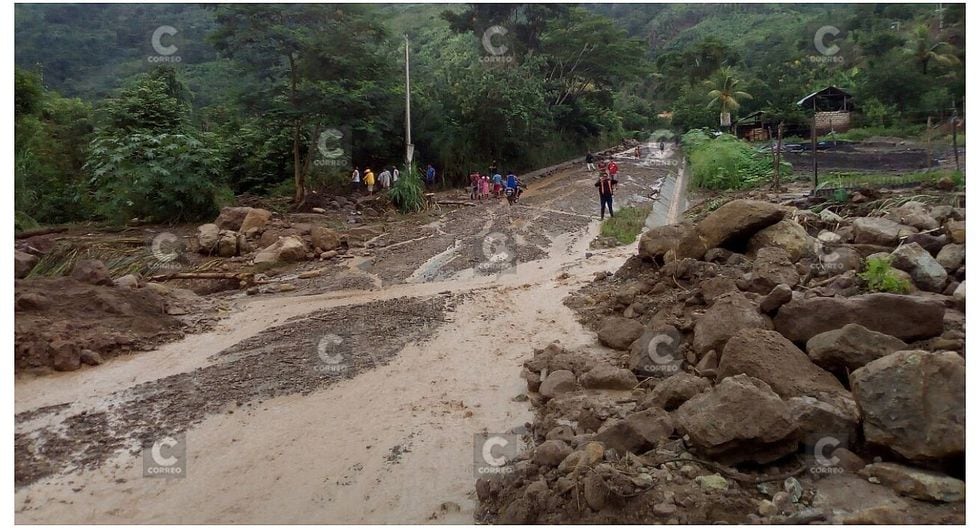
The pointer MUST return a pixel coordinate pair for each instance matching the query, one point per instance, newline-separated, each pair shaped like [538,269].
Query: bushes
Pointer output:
[408,193]
[726,162]
[880,277]
[626,225]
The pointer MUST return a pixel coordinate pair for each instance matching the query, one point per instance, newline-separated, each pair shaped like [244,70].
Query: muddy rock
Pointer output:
[926,272]
[671,242]
[715,287]
[959,294]
[254,219]
[558,382]
[23,263]
[207,238]
[902,316]
[735,222]
[586,456]
[818,420]
[931,243]
[914,402]
[286,249]
[915,214]
[917,483]
[231,218]
[672,392]
[957,231]
[91,272]
[324,238]
[90,357]
[551,453]
[772,266]
[879,231]
[604,376]
[65,355]
[638,432]
[729,314]
[780,295]
[770,357]
[619,332]
[127,281]
[739,420]
[951,257]
[656,353]
[850,347]
[227,244]
[787,235]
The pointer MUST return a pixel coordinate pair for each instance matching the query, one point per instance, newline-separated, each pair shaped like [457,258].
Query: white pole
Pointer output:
[408,112]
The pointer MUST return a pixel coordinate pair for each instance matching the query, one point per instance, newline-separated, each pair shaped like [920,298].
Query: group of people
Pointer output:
[387,178]
[481,186]
[608,170]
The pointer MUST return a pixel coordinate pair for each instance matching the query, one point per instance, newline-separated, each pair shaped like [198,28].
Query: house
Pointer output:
[757,126]
[832,108]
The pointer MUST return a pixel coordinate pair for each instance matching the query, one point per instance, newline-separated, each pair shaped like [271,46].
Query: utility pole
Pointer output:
[409,147]
[956,152]
[813,142]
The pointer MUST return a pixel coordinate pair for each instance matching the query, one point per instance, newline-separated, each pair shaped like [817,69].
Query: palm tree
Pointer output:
[925,49]
[724,95]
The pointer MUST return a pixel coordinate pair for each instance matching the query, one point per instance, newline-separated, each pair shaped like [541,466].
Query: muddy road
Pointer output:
[356,405]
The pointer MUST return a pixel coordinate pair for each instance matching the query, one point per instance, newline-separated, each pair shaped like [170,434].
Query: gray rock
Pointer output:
[558,382]
[787,235]
[780,295]
[672,392]
[671,242]
[729,314]
[905,317]
[738,220]
[879,231]
[604,376]
[917,483]
[926,272]
[915,214]
[23,263]
[951,257]
[657,352]
[638,432]
[551,453]
[92,272]
[619,332]
[850,347]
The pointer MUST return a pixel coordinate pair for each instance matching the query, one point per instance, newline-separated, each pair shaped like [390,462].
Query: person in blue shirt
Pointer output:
[430,175]
[498,184]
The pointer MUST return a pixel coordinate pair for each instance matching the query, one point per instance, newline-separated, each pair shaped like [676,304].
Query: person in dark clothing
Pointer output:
[589,161]
[606,186]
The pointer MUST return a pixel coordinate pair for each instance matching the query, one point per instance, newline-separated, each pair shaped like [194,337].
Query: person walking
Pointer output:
[498,184]
[369,180]
[606,186]
[355,179]
[474,185]
[394,175]
[493,168]
[589,161]
[430,175]
[385,180]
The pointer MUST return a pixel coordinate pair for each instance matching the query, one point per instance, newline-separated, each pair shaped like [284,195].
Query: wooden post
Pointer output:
[779,152]
[813,142]
[956,152]
[929,143]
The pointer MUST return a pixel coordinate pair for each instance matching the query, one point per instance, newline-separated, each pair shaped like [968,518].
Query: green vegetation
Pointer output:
[626,225]
[408,193]
[881,277]
[858,179]
[725,162]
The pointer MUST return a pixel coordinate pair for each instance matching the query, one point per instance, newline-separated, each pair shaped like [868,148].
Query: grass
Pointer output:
[881,277]
[626,225]
[858,179]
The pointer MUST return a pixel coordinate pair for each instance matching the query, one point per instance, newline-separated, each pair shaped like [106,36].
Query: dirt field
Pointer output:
[347,392]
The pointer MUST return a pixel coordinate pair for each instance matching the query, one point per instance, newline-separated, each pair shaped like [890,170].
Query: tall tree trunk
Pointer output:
[299,175]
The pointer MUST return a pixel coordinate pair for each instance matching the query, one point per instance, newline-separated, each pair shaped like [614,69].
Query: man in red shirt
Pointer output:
[613,169]
[606,186]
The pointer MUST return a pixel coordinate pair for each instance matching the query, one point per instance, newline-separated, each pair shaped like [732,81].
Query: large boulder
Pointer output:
[770,357]
[656,353]
[671,242]
[915,214]
[672,392]
[951,257]
[91,271]
[227,245]
[902,316]
[207,238]
[926,272]
[231,218]
[734,223]
[619,332]
[23,263]
[817,420]
[324,238]
[286,249]
[772,266]
[850,347]
[879,231]
[729,314]
[917,483]
[914,402]
[254,219]
[638,432]
[786,234]
[739,420]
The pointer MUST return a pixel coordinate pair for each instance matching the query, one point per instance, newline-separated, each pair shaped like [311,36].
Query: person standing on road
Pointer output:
[589,161]
[369,180]
[355,179]
[606,186]
[612,169]
[498,184]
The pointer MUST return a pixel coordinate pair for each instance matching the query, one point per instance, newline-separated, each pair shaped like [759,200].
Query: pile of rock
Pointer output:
[749,341]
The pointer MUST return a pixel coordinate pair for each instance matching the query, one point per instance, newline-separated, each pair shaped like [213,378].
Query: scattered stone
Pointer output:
[671,242]
[638,432]
[914,402]
[780,295]
[847,459]
[656,353]
[324,239]
[619,332]
[92,272]
[130,281]
[227,244]
[787,235]
[915,214]
[207,238]
[23,263]
[729,314]
[739,420]
[951,257]
[231,218]
[286,249]
[772,266]
[558,382]
[712,482]
[818,420]
[715,287]
[672,392]
[551,453]
[879,231]
[254,219]
[604,376]
[851,347]
[902,316]
[959,294]
[931,243]
[917,483]
[736,221]
[957,231]
[926,272]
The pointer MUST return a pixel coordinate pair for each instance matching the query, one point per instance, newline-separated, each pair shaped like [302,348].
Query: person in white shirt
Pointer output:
[355,179]
[385,179]
[394,175]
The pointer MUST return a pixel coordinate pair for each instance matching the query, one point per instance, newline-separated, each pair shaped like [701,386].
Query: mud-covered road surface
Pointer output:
[356,403]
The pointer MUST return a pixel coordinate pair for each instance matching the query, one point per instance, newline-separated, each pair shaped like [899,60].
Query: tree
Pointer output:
[318,66]
[725,95]
[926,49]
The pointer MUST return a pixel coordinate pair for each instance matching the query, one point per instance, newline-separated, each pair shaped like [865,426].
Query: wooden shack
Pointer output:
[832,109]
